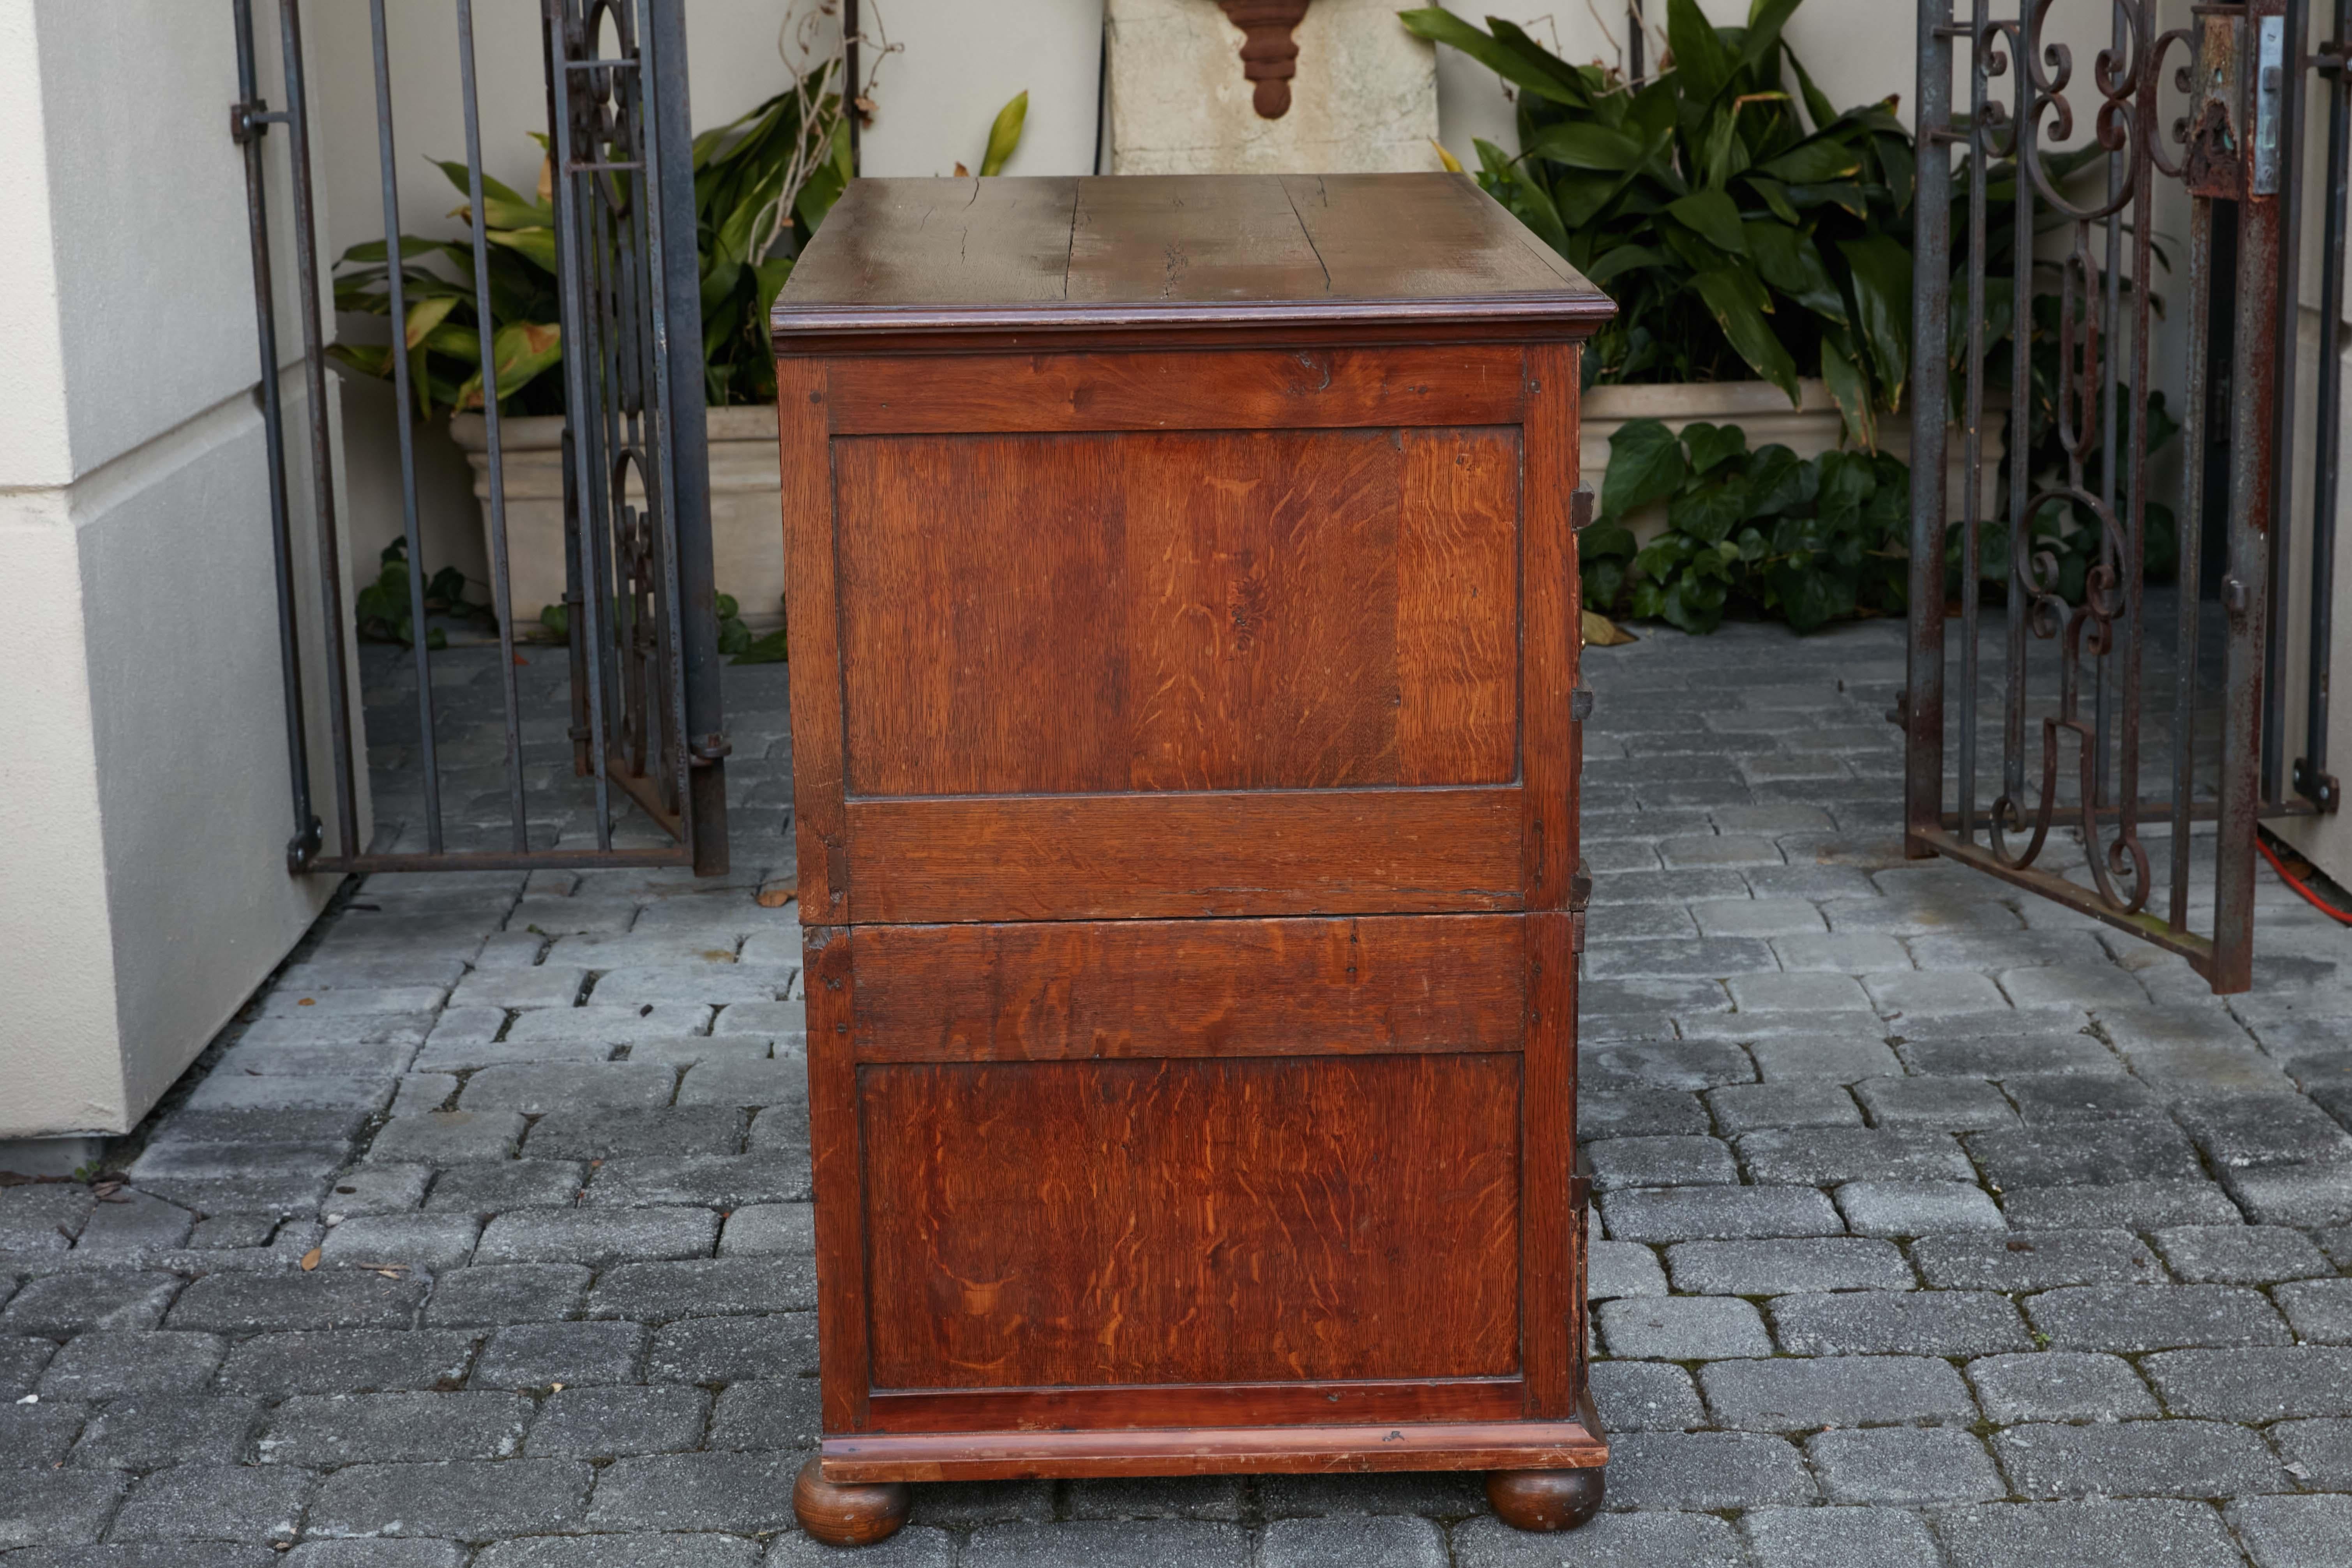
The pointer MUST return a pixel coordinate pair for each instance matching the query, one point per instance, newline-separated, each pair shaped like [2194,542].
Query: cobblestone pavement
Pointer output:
[1942,1227]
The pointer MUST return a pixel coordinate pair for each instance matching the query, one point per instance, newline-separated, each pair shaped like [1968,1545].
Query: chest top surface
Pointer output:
[1177,253]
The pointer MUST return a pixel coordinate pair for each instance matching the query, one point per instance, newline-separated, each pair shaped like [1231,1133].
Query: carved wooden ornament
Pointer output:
[1269,54]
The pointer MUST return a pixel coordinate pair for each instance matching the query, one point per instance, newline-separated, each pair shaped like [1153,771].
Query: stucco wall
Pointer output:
[144,804]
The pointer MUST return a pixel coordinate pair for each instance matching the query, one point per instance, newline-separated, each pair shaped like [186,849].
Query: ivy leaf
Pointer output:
[1712,446]
[1778,480]
[1709,513]
[1646,464]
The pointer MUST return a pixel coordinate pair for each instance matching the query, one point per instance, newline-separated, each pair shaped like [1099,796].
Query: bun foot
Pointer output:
[1544,1499]
[850,1514]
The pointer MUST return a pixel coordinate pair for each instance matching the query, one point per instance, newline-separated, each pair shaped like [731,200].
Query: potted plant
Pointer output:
[1757,240]
[762,184]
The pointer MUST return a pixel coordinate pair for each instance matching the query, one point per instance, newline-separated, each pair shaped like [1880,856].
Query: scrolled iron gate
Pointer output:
[2208,115]
[641,605]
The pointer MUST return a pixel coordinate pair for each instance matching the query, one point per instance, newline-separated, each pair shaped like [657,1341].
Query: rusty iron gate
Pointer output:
[640,609]
[2073,215]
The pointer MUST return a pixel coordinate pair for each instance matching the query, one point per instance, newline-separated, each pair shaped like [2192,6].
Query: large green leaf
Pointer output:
[1882,296]
[1817,161]
[1738,303]
[426,314]
[1582,145]
[1792,263]
[1700,59]
[1440,25]
[1715,217]
[1765,20]
[1646,464]
[1710,512]
[501,206]
[1850,389]
[538,244]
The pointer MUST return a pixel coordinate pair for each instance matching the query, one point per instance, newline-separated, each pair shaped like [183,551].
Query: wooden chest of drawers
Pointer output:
[1183,653]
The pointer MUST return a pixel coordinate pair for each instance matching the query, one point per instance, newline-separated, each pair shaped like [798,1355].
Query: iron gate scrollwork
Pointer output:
[641,607]
[2209,116]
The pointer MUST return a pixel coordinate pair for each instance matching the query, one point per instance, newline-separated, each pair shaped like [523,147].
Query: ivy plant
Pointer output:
[1806,540]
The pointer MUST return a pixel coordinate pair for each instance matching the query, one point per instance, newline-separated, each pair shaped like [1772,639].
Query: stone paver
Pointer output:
[1935,1227]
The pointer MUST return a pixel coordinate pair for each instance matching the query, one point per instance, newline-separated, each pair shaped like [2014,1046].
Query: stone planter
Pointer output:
[746,522]
[1762,411]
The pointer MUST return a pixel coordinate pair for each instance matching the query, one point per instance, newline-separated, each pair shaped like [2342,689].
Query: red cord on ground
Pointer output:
[2289,877]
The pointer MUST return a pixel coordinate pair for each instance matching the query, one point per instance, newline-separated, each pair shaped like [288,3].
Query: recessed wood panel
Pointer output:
[1285,609]
[1183,855]
[1252,1220]
[1053,989]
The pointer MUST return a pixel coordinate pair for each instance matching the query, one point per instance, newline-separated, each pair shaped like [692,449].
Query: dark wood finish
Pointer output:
[1358,1402]
[1183,595]
[1468,384]
[946,265]
[821,833]
[1211,1220]
[1290,610]
[1214,1452]
[1544,1499]
[1170,855]
[1061,989]
[843,1513]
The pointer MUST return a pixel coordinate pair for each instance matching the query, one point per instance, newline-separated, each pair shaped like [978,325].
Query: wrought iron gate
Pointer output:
[641,605]
[2040,202]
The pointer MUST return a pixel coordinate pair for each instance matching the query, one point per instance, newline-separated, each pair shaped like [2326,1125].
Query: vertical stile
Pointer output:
[2312,779]
[1974,431]
[585,517]
[404,420]
[501,593]
[323,477]
[1931,303]
[250,126]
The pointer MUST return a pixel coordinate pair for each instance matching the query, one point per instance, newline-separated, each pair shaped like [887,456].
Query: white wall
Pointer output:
[143,800]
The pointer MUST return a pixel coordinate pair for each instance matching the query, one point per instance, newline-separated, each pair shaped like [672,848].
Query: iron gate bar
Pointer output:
[250,120]
[2312,778]
[629,650]
[387,170]
[2293,61]
[322,479]
[501,585]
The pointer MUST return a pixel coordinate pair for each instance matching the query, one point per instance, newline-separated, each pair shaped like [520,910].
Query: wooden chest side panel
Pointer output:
[1183,856]
[1469,383]
[1265,1219]
[1055,989]
[1286,609]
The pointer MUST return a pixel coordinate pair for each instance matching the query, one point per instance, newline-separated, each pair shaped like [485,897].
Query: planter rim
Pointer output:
[544,432]
[1651,400]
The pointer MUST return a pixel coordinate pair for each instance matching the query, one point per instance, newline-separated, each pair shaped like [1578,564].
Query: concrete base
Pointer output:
[49,1156]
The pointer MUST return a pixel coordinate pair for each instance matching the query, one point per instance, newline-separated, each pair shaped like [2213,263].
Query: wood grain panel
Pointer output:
[1053,989]
[819,829]
[1270,610]
[836,1161]
[1171,856]
[1459,627]
[1198,1404]
[1215,1451]
[1550,631]
[1226,1220]
[1550,1258]
[1471,384]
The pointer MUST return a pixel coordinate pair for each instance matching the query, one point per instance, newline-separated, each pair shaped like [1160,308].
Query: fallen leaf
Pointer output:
[307,1001]
[1600,631]
[774,896]
[310,1260]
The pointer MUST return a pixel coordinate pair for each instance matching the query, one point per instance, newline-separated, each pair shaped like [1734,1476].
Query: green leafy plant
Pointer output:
[1804,540]
[382,608]
[1744,229]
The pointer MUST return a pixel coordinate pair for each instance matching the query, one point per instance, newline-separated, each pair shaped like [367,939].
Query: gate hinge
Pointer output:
[1580,509]
[2329,59]
[709,750]
[1579,704]
[2320,789]
[1576,931]
[248,121]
